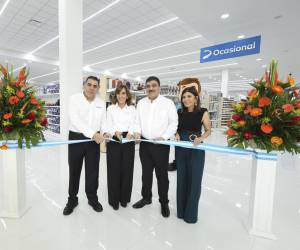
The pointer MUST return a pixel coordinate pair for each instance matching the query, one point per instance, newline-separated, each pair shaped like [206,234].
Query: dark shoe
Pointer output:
[70,207]
[165,211]
[123,204]
[96,206]
[141,203]
[172,166]
[115,207]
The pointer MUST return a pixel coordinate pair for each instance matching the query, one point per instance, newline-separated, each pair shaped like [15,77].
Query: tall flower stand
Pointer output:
[262,197]
[12,183]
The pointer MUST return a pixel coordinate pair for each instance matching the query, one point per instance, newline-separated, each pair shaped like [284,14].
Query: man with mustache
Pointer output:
[157,119]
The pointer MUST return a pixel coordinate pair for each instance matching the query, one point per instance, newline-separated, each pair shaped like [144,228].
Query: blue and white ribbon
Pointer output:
[183,144]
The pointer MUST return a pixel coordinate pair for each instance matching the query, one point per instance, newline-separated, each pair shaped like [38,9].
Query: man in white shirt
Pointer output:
[157,120]
[87,113]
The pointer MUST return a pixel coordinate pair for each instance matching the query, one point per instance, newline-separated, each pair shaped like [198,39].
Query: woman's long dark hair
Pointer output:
[195,93]
[118,91]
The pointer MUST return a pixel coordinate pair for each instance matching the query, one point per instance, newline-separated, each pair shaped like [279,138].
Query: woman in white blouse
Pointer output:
[120,157]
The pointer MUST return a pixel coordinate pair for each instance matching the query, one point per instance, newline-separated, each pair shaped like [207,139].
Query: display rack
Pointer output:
[50,94]
[227,110]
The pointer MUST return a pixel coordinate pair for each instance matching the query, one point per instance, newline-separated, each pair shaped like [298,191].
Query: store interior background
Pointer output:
[129,40]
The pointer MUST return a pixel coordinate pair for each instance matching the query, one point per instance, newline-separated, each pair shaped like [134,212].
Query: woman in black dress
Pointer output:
[190,162]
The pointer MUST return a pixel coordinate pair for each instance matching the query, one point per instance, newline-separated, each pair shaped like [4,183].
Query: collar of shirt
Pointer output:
[153,101]
[97,101]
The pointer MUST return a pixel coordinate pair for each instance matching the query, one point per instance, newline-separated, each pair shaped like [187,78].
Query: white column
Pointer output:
[262,197]
[224,84]
[12,183]
[70,55]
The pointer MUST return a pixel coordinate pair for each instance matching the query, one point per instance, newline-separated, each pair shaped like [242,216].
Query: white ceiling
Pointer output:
[169,50]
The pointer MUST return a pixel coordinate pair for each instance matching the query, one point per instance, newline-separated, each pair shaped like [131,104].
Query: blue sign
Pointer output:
[243,47]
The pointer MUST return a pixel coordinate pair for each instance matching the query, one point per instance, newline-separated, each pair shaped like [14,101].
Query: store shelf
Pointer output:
[50,106]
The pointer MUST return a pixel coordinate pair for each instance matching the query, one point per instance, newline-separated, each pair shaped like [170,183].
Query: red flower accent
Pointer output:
[297,104]
[7,129]
[264,101]
[13,100]
[31,115]
[20,94]
[287,108]
[7,116]
[236,117]
[248,135]
[295,118]
[266,128]
[44,121]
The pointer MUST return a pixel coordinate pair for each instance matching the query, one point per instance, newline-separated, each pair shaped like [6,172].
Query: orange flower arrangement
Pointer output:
[22,115]
[270,118]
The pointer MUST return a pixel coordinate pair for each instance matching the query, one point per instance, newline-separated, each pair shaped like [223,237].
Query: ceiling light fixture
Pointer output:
[146,50]
[131,35]
[258,59]
[4,7]
[241,36]
[84,21]
[37,77]
[164,67]
[197,69]
[225,16]
[156,60]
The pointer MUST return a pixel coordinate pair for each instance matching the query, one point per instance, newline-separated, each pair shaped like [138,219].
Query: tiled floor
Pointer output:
[223,210]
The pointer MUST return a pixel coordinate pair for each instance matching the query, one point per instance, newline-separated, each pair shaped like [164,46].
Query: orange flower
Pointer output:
[277,89]
[34,101]
[13,100]
[248,110]
[231,132]
[252,93]
[264,101]
[287,108]
[20,94]
[256,112]
[7,116]
[25,121]
[276,140]
[241,123]
[266,128]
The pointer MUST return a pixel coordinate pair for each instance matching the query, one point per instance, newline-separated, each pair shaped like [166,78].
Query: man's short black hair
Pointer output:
[153,78]
[93,78]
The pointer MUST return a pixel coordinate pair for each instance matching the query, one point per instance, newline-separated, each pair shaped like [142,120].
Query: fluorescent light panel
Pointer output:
[84,21]
[131,35]
[4,7]
[164,67]
[156,60]
[196,69]
[145,50]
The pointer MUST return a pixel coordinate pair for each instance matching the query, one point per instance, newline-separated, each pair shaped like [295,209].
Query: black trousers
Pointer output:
[155,156]
[120,164]
[90,153]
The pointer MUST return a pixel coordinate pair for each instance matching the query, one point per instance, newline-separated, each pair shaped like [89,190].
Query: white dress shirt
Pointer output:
[157,118]
[120,119]
[86,117]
